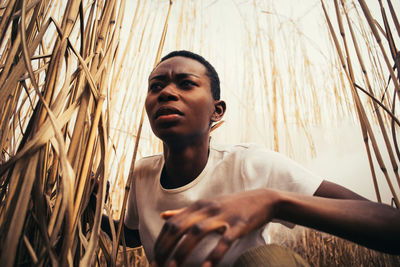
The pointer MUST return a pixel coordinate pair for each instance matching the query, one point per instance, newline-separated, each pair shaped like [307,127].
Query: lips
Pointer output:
[166,111]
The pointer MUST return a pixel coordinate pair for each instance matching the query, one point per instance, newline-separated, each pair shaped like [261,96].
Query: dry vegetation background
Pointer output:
[73,80]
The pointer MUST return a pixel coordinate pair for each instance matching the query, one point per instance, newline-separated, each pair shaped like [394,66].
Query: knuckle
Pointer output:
[201,203]
[223,246]
[227,240]
[180,256]
[239,221]
[197,229]
[211,207]
[214,208]
[172,227]
[165,227]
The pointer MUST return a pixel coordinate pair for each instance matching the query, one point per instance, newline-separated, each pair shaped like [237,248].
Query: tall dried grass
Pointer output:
[54,80]
[320,249]
[72,108]
[59,83]
[384,46]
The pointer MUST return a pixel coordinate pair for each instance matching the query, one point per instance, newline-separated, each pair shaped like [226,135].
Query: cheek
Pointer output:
[147,104]
[204,110]
[148,107]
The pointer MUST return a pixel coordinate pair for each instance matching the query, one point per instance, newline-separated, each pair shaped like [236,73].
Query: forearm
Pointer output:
[132,238]
[367,223]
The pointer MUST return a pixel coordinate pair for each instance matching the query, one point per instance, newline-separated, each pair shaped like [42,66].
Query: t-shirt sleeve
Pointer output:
[131,215]
[266,168]
[269,169]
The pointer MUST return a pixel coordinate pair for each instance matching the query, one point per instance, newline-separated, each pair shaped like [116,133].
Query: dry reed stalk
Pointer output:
[41,221]
[274,98]
[116,77]
[395,168]
[132,166]
[314,96]
[180,26]
[355,97]
[86,40]
[374,30]
[283,110]
[122,63]
[375,105]
[321,249]
[375,183]
[366,127]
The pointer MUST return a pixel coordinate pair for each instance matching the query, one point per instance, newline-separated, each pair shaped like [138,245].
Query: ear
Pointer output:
[219,111]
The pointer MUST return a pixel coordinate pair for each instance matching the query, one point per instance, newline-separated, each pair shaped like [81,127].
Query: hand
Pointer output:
[94,184]
[233,216]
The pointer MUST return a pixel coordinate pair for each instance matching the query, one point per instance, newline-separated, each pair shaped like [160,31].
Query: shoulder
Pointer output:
[248,158]
[247,152]
[149,164]
[149,160]
[261,167]
[242,148]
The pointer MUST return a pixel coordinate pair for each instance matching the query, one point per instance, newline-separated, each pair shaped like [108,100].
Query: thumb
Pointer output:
[169,213]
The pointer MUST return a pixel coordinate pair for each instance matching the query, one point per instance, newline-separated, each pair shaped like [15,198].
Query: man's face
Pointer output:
[179,102]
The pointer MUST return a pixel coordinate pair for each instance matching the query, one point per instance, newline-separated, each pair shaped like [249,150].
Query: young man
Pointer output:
[216,201]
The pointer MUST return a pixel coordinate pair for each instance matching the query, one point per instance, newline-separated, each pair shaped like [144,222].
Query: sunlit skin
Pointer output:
[181,110]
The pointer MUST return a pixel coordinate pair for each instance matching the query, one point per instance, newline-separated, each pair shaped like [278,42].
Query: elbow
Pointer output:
[386,240]
[389,246]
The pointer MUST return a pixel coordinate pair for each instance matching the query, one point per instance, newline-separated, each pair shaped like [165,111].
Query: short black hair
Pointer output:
[211,72]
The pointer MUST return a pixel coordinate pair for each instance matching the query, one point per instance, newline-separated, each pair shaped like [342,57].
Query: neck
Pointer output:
[183,163]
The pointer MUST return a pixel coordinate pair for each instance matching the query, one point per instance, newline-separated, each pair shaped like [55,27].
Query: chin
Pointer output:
[171,139]
[168,134]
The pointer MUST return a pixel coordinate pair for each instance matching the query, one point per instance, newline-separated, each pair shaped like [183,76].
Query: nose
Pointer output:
[168,93]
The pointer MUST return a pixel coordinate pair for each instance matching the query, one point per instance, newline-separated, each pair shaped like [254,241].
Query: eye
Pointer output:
[154,87]
[187,84]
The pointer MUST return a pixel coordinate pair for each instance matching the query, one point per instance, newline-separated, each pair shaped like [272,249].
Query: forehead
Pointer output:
[179,65]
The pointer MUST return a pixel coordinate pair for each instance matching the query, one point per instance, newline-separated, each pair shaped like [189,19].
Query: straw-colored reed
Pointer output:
[72,96]
[349,64]
[56,58]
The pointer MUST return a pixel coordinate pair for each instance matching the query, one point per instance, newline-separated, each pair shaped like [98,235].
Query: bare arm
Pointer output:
[333,209]
[367,223]
[132,238]
[331,190]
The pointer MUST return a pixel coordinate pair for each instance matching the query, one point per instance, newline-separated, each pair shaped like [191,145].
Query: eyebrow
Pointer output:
[179,76]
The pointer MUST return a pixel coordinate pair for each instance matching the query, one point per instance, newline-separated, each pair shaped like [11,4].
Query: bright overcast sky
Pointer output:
[222,30]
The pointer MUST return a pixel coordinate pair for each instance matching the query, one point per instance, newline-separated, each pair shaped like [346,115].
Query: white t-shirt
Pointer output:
[228,170]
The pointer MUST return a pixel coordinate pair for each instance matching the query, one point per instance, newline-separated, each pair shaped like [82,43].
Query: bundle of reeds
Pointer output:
[56,58]
[59,84]
[72,105]
[371,69]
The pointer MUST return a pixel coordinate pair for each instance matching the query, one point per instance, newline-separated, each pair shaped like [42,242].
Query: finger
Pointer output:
[165,242]
[223,245]
[196,233]
[183,212]
[172,231]
[169,213]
